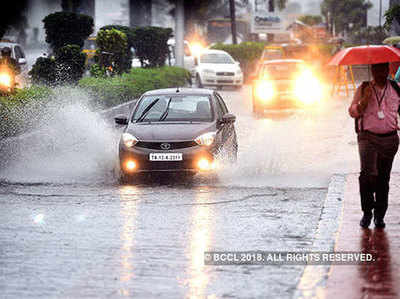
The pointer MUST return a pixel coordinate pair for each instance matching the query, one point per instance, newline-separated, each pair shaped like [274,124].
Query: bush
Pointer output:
[14,116]
[247,53]
[43,71]
[67,28]
[112,50]
[116,90]
[129,32]
[70,64]
[151,45]
[67,67]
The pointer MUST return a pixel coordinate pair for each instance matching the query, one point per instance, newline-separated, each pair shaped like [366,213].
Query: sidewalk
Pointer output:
[376,280]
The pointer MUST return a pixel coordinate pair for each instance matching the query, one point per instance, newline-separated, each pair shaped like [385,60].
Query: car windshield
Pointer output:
[174,108]
[281,71]
[272,54]
[216,58]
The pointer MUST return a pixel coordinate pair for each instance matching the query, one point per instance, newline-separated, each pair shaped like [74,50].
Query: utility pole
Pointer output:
[179,33]
[380,13]
[233,21]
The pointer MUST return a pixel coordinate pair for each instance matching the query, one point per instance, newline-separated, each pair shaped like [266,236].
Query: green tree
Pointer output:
[11,14]
[393,13]
[67,28]
[344,12]
[151,45]
[310,20]
[112,50]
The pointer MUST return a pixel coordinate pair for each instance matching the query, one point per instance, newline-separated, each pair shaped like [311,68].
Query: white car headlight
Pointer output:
[129,140]
[206,139]
[208,71]
[239,72]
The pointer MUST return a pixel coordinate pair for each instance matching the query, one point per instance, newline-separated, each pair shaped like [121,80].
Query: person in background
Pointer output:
[375,108]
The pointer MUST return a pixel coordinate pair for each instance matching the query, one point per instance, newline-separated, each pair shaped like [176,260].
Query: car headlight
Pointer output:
[5,79]
[206,139]
[208,71]
[129,140]
[265,90]
[308,88]
[239,72]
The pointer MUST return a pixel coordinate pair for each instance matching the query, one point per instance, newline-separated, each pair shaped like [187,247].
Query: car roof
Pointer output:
[7,44]
[276,61]
[182,91]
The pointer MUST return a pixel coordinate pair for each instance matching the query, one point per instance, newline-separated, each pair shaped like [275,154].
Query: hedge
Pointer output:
[20,112]
[112,91]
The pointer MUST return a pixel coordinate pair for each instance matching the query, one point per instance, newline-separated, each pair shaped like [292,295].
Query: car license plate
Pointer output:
[166,157]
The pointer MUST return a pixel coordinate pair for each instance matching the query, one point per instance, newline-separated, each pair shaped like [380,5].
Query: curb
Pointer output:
[314,277]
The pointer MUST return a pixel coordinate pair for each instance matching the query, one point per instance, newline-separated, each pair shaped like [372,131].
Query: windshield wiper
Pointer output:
[146,110]
[165,113]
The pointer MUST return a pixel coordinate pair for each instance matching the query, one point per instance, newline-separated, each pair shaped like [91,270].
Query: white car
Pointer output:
[218,68]
[16,52]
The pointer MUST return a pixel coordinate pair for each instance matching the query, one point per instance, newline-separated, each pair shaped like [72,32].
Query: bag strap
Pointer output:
[356,120]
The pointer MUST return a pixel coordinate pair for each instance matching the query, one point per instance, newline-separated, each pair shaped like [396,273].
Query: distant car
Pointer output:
[17,53]
[176,130]
[218,68]
[285,84]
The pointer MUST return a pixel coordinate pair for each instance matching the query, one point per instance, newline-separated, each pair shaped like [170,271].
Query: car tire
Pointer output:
[199,84]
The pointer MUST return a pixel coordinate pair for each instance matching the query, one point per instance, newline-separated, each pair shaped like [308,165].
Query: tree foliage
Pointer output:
[112,50]
[67,28]
[11,14]
[310,20]
[393,13]
[130,34]
[342,13]
[151,45]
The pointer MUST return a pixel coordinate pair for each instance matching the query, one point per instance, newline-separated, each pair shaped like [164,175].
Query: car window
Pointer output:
[180,108]
[219,58]
[18,53]
[280,71]
[221,104]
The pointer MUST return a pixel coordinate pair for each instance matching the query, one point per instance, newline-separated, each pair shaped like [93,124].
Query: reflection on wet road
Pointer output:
[148,241]
[68,229]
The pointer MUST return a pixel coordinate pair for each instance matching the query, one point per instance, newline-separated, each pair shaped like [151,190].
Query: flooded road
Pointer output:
[68,229]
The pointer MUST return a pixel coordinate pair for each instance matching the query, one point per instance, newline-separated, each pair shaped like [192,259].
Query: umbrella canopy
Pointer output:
[365,55]
[391,40]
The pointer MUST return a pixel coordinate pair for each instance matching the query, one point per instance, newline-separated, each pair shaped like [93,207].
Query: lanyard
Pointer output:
[383,95]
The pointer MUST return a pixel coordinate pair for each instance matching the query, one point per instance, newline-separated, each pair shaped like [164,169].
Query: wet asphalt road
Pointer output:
[68,229]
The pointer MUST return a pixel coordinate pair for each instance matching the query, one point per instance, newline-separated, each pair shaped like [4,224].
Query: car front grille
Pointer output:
[158,145]
[225,74]
[224,81]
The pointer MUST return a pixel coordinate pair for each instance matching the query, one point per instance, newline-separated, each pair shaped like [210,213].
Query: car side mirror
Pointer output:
[121,120]
[21,61]
[228,118]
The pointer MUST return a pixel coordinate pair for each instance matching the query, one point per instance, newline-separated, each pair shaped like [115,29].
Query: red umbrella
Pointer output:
[366,55]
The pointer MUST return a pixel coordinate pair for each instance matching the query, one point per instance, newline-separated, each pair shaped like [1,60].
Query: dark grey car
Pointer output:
[179,129]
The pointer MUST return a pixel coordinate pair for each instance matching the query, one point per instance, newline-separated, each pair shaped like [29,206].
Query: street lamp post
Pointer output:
[179,33]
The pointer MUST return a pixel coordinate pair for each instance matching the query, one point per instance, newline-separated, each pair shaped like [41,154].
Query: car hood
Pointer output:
[169,131]
[220,67]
